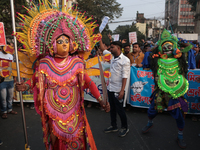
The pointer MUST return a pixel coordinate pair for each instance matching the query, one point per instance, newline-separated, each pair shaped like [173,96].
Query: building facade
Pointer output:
[178,16]
[151,28]
[197,19]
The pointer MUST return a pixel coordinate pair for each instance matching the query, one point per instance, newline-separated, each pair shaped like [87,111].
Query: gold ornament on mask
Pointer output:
[52,50]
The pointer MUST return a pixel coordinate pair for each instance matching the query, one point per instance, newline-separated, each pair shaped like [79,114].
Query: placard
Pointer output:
[115,37]
[2,35]
[132,37]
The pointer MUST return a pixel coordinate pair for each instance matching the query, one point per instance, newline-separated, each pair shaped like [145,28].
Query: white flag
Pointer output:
[104,23]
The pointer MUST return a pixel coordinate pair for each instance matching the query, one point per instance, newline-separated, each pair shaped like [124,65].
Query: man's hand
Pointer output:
[139,65]
[20,86]
[142,40]
[121,95]
[131,42]
[110,37]
[124,41]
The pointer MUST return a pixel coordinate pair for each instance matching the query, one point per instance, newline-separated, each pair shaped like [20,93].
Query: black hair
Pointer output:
[195,42]
[136,44]
[147,45]
[154,62]
[73,54]
[62,35]
[118,43]
[126,44]
[183,65]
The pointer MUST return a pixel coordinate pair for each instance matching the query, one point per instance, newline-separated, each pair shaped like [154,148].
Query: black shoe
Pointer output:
[123,132]
[181,143]
[1,142]
[146,128]
[111,129]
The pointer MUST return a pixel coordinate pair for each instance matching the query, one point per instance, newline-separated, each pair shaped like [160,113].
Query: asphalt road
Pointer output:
[161,137]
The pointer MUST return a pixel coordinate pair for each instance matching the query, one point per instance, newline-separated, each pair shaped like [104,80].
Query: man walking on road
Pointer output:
[119,68]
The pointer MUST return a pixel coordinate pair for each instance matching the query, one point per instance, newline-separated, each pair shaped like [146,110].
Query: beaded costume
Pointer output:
[170,69]
[169,74]
[58,83]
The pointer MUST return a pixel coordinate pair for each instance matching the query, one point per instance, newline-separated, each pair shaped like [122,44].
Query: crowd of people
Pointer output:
[60,78]
[139,55]
[125,55]
[139,52]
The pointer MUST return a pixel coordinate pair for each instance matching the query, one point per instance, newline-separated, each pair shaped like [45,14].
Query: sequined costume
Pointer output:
[62,107]
[170,69]
[169,72]
[58,83]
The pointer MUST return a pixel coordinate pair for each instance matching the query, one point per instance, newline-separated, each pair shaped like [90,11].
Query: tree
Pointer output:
[5,15]
[123,31]
[98,9]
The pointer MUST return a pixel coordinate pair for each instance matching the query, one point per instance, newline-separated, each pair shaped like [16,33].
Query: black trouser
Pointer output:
[117,107]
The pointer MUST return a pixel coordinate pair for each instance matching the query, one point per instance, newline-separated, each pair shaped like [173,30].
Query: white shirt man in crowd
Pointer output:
[119,68]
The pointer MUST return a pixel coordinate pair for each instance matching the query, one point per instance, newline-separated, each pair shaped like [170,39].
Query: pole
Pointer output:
[63,5]
[169,13]
[18,75]
[103,83]
[53,2]
[69,3]
[160,30]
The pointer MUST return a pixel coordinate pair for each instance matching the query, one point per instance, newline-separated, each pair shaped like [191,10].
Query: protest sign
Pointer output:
[2,35]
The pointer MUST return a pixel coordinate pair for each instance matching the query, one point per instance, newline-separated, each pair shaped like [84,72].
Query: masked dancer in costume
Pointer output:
[170,69]
[57,43]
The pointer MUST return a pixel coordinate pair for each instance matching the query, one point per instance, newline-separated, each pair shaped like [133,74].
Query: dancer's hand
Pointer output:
[106,106]
[20,86]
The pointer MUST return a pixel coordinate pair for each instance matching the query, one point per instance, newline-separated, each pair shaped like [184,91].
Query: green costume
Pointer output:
[169,68]
[170,78]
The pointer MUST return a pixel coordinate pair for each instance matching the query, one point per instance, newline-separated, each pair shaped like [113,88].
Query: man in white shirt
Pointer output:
[119,68]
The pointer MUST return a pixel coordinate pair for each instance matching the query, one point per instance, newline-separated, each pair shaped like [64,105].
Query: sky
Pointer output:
[150,8]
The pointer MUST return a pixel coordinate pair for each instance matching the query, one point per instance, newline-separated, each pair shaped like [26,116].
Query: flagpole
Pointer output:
[64,5]
[103,83]
[18,77]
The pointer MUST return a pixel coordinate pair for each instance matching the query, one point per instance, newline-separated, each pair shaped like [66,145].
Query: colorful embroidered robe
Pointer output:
[60,101]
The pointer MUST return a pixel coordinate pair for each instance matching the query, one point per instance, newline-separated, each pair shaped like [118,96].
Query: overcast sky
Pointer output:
[150,8]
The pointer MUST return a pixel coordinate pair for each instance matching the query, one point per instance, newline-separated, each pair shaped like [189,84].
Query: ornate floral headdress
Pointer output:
[44,23]
[167,38]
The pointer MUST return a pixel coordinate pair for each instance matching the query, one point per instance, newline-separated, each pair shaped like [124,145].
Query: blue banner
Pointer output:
[142,86]
[193,93]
